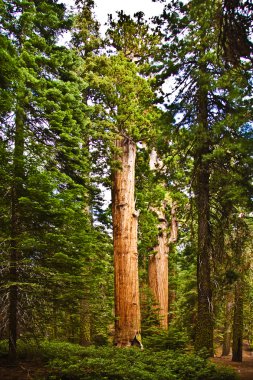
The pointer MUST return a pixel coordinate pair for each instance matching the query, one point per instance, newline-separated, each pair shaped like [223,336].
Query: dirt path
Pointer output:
[244,369]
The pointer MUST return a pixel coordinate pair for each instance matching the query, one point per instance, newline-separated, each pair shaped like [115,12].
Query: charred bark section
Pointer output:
[125,220]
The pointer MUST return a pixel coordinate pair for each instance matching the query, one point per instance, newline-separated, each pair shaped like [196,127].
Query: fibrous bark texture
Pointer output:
[158,271]
[204,328]
[158,261]
[125,220]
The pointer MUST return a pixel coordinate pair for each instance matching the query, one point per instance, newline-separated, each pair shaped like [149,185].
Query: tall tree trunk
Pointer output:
[204,328]
[172,273]
[158,268]
[15,255]
[125,220]
[158,275]
[85,312]
[226,345]
[238,323]
[238,246]
[85,322]
[158,271]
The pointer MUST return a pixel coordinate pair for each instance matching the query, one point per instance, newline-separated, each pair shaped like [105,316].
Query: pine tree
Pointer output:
[47,162]
[204,106]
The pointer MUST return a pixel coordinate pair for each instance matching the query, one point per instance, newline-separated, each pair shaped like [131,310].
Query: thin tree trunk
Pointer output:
[241,234]
[204,328]
[85,323]
[238,323]
[15,256]
[85,313]
[172,273]
[125,219]
[227,325]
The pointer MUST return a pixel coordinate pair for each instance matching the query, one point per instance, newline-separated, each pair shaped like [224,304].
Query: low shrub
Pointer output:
[166,340]
[3,348]
[72,362]
[66,361]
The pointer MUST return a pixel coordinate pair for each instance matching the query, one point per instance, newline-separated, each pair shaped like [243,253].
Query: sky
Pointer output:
[105,7]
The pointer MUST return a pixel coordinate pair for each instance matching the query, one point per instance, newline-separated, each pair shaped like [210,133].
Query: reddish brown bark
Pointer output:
[158,272]
[125,220]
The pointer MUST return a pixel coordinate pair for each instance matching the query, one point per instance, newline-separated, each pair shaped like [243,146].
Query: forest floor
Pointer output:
[24,370]
[35,370]
[244,369]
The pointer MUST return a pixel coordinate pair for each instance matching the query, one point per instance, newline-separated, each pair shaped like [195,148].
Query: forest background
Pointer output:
[95,115]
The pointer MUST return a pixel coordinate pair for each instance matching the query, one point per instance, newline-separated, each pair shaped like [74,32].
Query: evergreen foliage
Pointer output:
[46,164]
[73,362]
[62,110]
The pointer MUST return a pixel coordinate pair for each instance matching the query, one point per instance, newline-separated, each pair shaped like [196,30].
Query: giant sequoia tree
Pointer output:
[134,38]
[124,101]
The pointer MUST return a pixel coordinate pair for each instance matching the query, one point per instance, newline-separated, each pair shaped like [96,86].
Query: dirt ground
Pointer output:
[25,370]
[244,369]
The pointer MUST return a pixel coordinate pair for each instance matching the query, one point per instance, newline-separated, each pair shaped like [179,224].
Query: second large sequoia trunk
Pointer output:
[125,220]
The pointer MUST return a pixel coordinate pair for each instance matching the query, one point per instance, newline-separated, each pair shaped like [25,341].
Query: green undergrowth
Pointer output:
[67,361]
[162,340]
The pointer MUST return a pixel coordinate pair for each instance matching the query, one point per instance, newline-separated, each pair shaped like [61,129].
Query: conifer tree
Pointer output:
[123,99]
[133,37]
[44,153]
[204,106]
